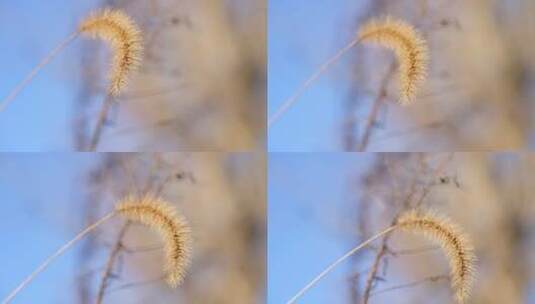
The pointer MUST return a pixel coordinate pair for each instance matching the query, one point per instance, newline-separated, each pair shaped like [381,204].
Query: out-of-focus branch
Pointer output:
[412,284]
[109,264]
[95,138]
[376,107]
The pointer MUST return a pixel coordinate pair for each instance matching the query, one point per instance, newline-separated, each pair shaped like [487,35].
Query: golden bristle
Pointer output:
[124,37]
[173,227]
[409,47]
[456,245]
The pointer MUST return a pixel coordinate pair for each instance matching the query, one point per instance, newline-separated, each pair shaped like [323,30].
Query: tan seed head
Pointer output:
[163,217]
[409,47]
[124,37]
[456,245]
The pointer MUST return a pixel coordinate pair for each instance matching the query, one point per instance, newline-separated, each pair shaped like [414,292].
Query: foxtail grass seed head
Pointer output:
[125,40]
[455,244]
[161,216]
[409,47]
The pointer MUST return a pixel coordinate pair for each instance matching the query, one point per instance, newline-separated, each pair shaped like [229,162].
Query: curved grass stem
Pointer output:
[58,253]
[338,261]
[15,92]
[322,69]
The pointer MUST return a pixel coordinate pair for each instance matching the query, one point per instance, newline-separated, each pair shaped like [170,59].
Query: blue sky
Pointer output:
[41,195]
[302,35]
[310,222]
[40,118]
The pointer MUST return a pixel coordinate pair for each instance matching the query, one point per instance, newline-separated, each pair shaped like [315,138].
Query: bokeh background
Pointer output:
[201,85]
[478,96]
[48,198]
[322,205]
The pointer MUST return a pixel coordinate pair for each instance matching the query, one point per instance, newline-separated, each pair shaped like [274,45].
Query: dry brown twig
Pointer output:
[412,284]
[135,284]
[376,106]
[109,263]
[102,116]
